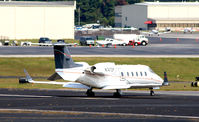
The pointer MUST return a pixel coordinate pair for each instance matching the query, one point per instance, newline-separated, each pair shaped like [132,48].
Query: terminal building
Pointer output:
[158,15]
[32,20]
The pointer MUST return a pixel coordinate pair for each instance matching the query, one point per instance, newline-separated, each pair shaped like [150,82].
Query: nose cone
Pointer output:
[159,79]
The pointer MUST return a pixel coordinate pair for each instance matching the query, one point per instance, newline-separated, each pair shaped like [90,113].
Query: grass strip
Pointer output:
[178,69]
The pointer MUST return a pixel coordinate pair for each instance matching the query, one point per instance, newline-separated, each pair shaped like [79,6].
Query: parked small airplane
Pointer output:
[188,30]
[155,32]
[101,75]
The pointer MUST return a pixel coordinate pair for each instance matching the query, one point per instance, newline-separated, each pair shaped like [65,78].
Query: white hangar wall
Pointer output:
[31,21]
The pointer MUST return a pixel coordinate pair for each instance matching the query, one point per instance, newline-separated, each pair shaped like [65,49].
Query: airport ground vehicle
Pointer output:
[130,39]
[26,43]
[109,42]
[5,42]
[86,40]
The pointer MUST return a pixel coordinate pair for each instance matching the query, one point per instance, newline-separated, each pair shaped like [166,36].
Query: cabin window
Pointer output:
[141,73]
[145,74]
[132,74]
[127,73]
[136,73]
[122,74]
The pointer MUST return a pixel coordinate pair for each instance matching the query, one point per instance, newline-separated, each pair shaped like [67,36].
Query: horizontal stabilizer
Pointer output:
[75,85]
[55,76]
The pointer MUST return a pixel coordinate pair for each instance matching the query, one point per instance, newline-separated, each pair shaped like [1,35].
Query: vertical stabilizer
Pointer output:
[62,57]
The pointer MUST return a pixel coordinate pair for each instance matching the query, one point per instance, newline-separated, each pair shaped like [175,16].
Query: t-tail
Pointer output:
[166,82]
[65,67]
[62,57]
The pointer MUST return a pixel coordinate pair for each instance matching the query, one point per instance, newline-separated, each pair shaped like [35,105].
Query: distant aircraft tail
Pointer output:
[63,58]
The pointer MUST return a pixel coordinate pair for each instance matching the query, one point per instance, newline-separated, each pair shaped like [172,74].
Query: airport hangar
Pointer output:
[158,15]
[32,20]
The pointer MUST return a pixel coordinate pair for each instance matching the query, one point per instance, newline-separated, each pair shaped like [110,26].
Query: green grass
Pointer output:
[178,69]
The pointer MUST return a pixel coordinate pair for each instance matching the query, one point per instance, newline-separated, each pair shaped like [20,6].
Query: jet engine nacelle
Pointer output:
[93,69]
[97,70]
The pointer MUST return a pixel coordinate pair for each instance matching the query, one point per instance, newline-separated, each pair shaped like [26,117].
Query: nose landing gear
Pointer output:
[151,92]
[90,93]
[117,93]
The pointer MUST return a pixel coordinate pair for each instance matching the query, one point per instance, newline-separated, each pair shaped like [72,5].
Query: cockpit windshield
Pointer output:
[151,70]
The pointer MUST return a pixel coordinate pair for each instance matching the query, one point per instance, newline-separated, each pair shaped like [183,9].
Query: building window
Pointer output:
[132,74]
[145,73]
[126,18]
[136,73]
[122,74]
[118,24]
[118,15]
[127,73]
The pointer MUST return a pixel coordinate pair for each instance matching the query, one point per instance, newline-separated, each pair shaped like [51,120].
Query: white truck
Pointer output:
[130,39]
[108,42]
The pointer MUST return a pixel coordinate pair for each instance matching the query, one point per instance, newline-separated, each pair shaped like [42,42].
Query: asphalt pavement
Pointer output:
[74,105]
[158,45]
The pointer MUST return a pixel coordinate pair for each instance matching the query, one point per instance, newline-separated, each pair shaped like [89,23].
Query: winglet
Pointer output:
[165,83]
[28,77]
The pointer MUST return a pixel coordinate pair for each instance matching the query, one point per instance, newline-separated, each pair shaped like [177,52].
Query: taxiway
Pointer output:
[75,105]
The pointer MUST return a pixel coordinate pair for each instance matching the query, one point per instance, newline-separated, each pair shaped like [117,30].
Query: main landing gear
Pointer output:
[151,92]
[90,93]
[117,93]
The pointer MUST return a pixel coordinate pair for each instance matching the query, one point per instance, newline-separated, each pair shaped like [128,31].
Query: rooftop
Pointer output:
[36,3]
[169,3]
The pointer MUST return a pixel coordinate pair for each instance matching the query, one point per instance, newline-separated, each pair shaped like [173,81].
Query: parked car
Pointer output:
[87,40]
[61,40]
[45,41]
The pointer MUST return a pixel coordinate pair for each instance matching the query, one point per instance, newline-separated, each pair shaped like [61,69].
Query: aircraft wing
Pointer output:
[64,84]
[55,76]
[144,85]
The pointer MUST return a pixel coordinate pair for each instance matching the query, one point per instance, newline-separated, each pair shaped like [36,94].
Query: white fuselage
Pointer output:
[111,76]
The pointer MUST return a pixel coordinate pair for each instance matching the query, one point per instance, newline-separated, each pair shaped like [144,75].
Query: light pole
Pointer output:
[79,16]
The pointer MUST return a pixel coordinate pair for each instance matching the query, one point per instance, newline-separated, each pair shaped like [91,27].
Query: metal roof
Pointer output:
[36,3]
[170,3]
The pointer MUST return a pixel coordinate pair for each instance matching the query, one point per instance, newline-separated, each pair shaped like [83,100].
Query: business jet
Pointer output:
[101,75]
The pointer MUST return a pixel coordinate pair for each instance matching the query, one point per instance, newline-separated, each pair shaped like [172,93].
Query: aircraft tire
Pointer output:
[152,93]
[116,94]
[90,93]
